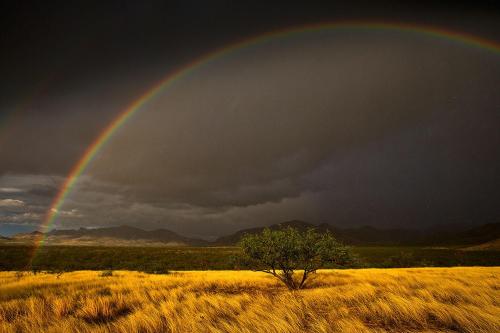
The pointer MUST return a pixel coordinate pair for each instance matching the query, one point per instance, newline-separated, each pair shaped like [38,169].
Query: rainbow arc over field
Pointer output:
[124,116]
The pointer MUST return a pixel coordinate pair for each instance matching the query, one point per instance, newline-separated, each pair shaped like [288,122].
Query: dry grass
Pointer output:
[368,300]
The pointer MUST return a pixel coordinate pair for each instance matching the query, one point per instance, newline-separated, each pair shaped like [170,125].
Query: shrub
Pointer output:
[282,252]
[106,273]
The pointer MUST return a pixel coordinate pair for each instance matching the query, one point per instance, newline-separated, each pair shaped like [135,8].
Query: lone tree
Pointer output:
[283,252]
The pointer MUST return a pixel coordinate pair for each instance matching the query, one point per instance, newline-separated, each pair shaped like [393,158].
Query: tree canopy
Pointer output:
[283,252]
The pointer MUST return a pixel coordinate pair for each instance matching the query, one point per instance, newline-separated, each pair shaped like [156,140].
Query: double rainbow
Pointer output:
[103,138]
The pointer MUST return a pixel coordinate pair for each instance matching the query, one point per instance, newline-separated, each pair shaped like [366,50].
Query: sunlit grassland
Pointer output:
[365,300]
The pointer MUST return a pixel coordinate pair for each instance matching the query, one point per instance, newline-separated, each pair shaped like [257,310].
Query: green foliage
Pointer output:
[155,269]
[106,273]
[283,252]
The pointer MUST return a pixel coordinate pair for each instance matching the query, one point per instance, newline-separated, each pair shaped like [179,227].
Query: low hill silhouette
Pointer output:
[368,235]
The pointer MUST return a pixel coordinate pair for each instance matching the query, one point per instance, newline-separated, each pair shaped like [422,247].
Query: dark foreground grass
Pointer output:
[162,259]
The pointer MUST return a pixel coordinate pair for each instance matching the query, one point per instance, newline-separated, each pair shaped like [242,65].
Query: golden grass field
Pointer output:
[364,300]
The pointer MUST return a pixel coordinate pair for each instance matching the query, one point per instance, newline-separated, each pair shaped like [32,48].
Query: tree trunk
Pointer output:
[304,278]
[289,281]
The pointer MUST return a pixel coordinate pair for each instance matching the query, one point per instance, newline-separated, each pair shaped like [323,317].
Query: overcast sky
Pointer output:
[350,127]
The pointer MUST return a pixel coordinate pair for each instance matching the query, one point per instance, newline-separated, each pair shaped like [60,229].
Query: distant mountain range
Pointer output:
[366,235]
[111,236]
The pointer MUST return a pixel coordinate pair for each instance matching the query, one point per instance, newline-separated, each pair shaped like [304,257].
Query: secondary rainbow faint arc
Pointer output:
[101,140]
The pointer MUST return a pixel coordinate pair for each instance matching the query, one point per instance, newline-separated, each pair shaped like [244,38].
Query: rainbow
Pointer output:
[103,138]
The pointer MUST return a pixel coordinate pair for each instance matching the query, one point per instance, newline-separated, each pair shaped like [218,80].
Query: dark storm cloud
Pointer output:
[384,131]
[246,131]
[24,198]
[53,48]
[48,134]
[23,208]
[44,190]
[380,128]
